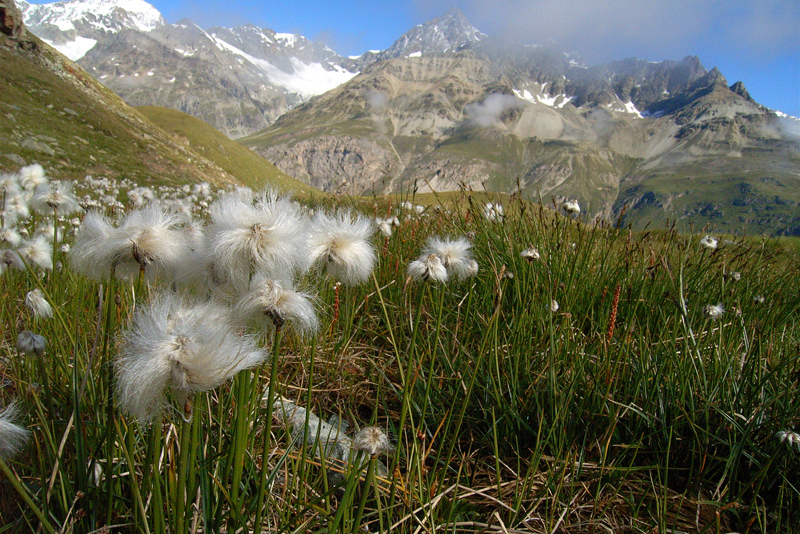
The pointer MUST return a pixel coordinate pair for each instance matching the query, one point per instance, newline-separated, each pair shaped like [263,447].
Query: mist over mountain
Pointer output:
[447,106]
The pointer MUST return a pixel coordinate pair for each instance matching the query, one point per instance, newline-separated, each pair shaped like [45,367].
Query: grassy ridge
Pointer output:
[246,166]
[627,408]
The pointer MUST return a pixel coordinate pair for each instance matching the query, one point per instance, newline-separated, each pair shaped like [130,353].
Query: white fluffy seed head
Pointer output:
[38,305]
[32,176]
[340,246]
[493,212]
[530,254]
[55,197]
[179,346]
[371,440]
[428,267]
[714,311]
[12,435]
[271,303]
[709,242]
[10,258]
[37,252]
[93,252]
[571,207]
[267,237]
[455,254]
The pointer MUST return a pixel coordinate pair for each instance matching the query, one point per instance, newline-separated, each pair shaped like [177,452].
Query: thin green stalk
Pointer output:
[127,451]
[241,424]
[365,492]
[263,490]
[186,444]
[17,483]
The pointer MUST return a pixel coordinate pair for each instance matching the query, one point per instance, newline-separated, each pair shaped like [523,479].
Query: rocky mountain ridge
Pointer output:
[653,142]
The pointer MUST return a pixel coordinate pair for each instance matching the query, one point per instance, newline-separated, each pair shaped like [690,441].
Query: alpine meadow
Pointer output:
[457,290]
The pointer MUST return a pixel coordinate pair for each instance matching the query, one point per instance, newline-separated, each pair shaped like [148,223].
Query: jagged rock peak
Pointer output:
[447,33]
[11,19]
[740,90]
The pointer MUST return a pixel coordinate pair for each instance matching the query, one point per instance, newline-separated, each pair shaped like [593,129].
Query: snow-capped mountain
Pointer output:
[236,79]
[448,33]
[74,26]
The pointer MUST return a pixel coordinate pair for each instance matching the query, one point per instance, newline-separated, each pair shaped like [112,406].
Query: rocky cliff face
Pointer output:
[11,19]
[660,138]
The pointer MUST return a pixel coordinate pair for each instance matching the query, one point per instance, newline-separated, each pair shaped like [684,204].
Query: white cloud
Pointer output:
[487,113]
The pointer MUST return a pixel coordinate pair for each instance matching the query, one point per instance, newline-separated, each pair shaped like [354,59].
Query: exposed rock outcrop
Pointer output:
[11,20]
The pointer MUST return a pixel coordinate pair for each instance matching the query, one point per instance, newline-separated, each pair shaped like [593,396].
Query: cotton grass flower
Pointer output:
[554,307]
[789,437]
[455,255]
[10,258]
[12,435]
[55,197]
[10,237]
[428,267]
[275,302]
[32,176]
[340,246]
[37,252]
[714,311]
[493,212]
[385,225]
[530,254]
[38,305]
[571,207]
[371,440]
[709,242]
[268,237]
[9,183]
[91,253]
[30,343]
[148,240]
[173,345]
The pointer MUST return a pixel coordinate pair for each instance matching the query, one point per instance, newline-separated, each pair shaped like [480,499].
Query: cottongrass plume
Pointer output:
[709,242]
[273,302]
[493,212]
[571,207]
[266,237]
[714,311]
[428,267]
[372,440]
[455,255]
[790,437]
[10,259]
[12,436]
[530,254]
[149,239]
[38,305]
[38,251]
[30,343]
[55,198]
[187,348]
[340,246]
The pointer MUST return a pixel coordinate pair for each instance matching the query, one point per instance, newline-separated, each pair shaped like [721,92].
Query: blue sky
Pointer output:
[756,42]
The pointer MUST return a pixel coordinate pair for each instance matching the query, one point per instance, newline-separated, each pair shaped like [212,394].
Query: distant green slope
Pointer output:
[245,165]
[55,114]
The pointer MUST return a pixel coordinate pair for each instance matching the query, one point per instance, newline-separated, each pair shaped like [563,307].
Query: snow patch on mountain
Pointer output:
[99,14]
[74,49]
[554,101]
[306,79]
